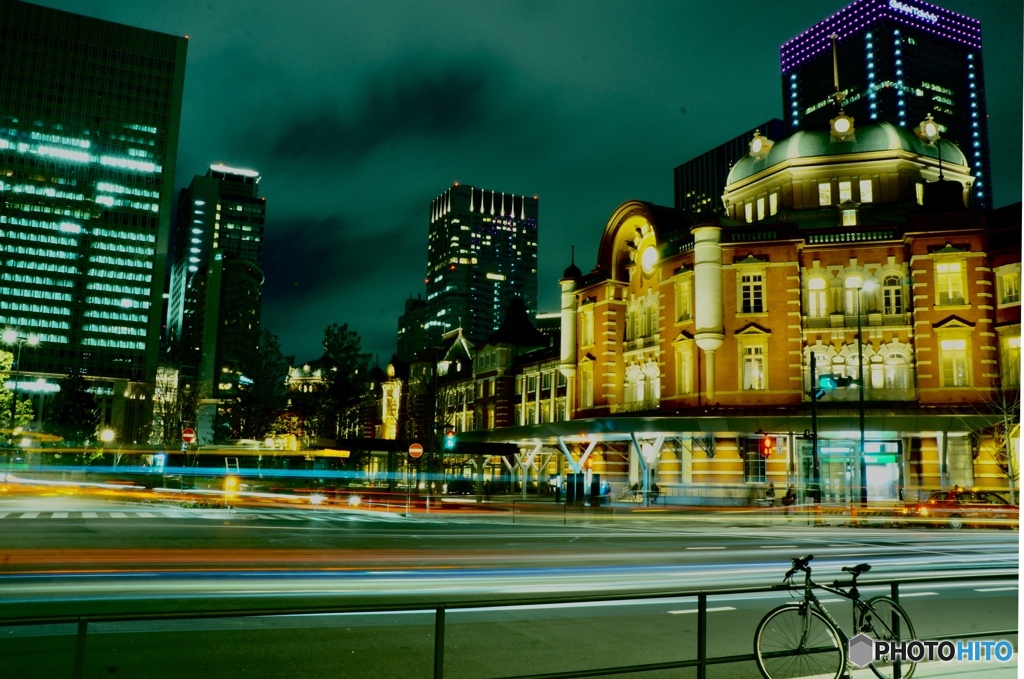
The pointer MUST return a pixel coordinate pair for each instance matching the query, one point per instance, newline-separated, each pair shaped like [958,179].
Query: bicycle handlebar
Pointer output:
[799,564]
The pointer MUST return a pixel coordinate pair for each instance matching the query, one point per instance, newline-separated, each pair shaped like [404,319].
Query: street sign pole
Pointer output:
[415,452]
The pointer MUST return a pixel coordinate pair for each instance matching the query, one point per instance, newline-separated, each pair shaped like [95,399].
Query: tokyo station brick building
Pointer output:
[686,352]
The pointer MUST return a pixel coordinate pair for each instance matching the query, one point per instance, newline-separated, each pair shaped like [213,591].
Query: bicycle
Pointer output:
[801,639]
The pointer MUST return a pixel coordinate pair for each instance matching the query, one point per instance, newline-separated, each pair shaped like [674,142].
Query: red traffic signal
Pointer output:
[767,446]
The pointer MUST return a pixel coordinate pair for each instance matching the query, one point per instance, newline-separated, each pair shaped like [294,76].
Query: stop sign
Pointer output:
[415,450]
[188,435]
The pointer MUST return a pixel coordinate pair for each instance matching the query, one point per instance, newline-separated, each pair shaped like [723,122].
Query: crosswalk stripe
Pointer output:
[183,514]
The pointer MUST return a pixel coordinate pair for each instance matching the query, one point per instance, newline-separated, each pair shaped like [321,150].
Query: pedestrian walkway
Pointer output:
[208,514]
[962,669]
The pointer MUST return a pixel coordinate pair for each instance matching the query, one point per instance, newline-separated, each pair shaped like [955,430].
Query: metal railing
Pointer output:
[701,662]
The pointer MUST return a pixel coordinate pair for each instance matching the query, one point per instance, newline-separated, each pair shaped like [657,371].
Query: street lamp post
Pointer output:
[11,337]
[861,289]
[815,464]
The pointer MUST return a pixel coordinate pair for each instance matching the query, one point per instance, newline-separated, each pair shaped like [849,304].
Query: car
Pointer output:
[960,507]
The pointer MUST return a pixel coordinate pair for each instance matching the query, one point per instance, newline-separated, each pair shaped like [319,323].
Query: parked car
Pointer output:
[958,507]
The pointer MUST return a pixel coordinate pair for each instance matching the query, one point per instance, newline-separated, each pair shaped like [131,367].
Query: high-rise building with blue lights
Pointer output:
[898,61]
[89,117]
[481,253]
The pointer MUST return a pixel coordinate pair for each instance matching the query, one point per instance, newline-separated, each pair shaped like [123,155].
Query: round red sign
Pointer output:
[188,435]
[415,450]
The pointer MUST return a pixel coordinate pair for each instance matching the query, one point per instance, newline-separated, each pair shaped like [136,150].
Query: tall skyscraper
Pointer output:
[700,182]
[481,253]
[411,338]
[216,298]
[89,117]
[898,61]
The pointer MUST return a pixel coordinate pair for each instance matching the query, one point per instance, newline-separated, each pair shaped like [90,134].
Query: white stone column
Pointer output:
[707,295]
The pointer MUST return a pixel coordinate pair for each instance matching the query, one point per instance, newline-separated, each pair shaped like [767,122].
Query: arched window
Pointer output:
[817,297]
[652,374]
[892,295]
[652,317]
[635,386]
[896,372]
[853,367]
[851,290]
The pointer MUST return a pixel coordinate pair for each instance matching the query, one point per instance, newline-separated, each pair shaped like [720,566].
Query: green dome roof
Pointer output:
[865,138]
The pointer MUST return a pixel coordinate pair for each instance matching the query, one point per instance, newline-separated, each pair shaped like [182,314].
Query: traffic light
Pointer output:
[827,382]
[767,446]
[230,486]
[833,382]
[449,440]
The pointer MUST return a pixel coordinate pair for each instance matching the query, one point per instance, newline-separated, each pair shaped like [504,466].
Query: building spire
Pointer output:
[842,124]
[839,95]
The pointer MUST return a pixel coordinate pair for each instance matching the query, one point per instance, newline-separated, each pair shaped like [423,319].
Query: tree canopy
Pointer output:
[262,391]
[72,412]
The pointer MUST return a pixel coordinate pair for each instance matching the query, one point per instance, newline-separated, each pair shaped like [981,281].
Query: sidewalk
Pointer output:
[949,670]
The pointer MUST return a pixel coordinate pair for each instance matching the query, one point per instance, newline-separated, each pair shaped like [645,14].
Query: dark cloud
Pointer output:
[335,254]
[410,98]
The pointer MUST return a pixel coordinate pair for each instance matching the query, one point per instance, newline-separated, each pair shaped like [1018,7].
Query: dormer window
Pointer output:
[866,195]
[824,194]
[845,192]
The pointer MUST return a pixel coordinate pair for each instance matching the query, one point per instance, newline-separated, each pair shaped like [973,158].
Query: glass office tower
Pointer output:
[898,61]
[481,253]
[216,295]
[89,117]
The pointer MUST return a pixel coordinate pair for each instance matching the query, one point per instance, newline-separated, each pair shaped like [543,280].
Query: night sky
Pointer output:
[358,114]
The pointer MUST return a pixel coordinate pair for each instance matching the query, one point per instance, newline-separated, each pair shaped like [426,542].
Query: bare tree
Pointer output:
[175,406]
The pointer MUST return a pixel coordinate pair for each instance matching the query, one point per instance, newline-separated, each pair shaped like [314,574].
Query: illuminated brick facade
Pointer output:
[843,249]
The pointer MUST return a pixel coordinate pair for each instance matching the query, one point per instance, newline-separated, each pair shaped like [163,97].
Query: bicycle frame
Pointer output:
[811,599]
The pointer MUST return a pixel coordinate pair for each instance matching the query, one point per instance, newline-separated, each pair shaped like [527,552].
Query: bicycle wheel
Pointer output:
[883,619]
[793,642]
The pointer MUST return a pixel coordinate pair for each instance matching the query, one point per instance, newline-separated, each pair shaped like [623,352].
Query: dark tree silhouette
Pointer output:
[72,413]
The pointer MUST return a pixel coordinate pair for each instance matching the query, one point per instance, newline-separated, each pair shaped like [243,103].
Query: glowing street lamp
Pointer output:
[11,337]
[107,435]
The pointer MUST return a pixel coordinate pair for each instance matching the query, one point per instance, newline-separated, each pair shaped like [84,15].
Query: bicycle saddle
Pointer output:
[858,569]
